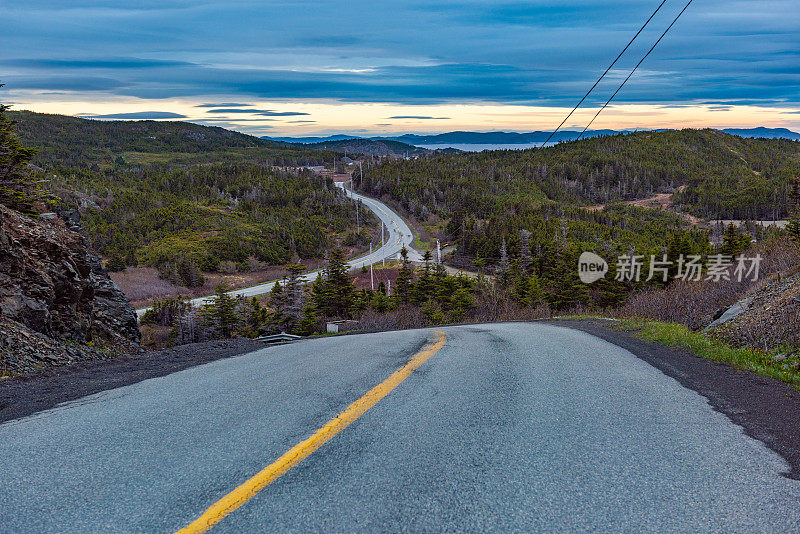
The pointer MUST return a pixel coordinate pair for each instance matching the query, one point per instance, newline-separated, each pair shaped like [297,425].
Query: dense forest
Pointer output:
[725,177]
[522,214]
[73,141]
[179,197]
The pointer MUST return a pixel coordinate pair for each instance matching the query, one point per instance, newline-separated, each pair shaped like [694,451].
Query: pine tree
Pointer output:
[503,267]
[423,288]
[525,260]
[220,311]
[460,303]
[293,296]
[341,285]
[334,294]
[734,241]
[254,316]
[404,277]
[18,190]
[793,227]
[534,294]
[308,323]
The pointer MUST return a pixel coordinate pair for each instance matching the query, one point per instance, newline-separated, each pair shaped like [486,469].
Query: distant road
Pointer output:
[513,427]
[398,235]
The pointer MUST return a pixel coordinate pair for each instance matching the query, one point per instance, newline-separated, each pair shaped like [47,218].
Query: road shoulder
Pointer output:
[26,395]
[767,409]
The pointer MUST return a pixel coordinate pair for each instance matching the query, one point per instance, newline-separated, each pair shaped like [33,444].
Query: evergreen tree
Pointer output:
[334,294]
[793,228]
[277,303]
[404,277]
[220,311]
[734,241]
[254,316]
[308,323]
[18,190]
[293,297]
[461,302]
[503,266]
[534,295]
[422,289]
[525,260]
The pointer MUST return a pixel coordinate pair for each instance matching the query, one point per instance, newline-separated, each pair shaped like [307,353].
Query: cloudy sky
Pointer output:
[324,66]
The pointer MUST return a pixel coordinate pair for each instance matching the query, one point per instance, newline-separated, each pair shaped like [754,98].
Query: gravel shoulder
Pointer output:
[766,409]
[25,395]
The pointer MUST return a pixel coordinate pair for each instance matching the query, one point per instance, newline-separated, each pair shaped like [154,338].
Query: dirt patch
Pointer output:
[659,201]
[142,285]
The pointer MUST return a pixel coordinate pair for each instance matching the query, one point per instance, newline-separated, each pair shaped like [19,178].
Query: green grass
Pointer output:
[677,335]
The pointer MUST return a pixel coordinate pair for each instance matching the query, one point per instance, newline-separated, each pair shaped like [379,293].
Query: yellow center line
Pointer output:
[236,498]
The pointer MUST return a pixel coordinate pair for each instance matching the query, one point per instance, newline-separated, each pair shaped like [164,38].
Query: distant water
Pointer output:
[481,147]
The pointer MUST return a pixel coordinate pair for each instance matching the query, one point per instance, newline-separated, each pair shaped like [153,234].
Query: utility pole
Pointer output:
[360,168]
[438,252]
[371,278]
[388,288]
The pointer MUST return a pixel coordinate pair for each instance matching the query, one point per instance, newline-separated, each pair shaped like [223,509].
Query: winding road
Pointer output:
[399,235]
[503,427]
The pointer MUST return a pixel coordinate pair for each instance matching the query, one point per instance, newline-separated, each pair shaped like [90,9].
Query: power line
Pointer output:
[606,72]
[634,68]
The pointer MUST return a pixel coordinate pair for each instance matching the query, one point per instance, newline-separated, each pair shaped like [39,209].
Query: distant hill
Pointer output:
[517,138]
[768,133]
[309,140]
[377,147]
[498,138]
[65,139]
[713,175]
[463,138]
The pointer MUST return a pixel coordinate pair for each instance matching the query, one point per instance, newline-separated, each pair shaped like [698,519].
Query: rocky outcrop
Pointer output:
[767,318]
[57,303]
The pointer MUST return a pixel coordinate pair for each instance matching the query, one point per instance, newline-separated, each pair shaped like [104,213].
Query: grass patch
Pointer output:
[676,335]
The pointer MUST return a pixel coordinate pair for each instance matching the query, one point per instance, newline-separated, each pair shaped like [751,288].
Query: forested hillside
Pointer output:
[70,141]
[523,213]
[726,177]
[374,147]
[186,198]
[186,220]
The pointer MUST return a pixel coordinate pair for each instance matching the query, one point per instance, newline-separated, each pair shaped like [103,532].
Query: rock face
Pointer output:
[769,317]
[57,303]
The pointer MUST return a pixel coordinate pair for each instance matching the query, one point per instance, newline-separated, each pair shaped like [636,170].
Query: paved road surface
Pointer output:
[526,427]
[398,235]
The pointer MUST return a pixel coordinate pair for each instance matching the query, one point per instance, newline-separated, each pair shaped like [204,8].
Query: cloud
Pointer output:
[282,113]
[329,40]
[421,117]
[223,105]
[264,112]
[236,119]
[438,51]
[64,83]
[298,122]
[102,63]
[139,115]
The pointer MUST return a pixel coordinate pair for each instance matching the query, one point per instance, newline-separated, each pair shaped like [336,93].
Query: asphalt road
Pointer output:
[526,427]
[398,235]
